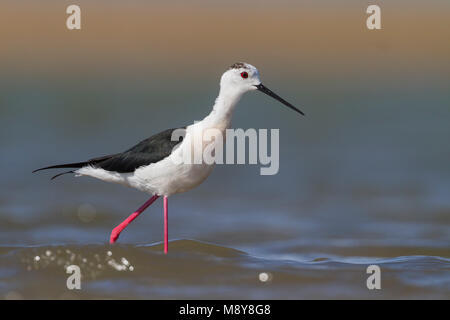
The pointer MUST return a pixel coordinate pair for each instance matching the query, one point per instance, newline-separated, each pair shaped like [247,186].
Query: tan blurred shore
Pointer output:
[299,37]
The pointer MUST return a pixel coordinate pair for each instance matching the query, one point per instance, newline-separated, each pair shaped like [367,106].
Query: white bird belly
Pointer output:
[162,178]
[167,178]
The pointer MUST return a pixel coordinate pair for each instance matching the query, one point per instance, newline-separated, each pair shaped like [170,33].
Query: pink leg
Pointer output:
[166,225]
[117,230]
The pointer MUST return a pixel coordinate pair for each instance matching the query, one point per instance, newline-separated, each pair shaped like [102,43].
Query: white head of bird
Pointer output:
[238,79]
[241,77]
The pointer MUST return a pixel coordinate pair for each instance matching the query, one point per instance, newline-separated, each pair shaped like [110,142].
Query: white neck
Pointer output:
[222,111]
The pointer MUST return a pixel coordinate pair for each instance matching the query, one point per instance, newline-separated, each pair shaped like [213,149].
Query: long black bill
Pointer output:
[267,91]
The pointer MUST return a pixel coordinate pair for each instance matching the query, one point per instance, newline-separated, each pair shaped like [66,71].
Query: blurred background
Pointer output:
[365,175]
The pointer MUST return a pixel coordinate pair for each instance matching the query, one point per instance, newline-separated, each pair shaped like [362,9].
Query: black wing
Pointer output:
[148,151]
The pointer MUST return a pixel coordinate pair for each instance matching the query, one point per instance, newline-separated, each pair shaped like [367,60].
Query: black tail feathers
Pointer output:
[60,174]
[91,162]
[66,165]
[60,166]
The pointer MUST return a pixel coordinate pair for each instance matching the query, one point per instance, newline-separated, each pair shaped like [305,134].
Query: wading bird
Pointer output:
[150,165]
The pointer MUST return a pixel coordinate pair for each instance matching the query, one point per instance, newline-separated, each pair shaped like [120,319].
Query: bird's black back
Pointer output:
[148,151]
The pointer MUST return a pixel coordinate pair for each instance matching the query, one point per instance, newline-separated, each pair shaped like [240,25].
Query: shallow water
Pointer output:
[196,269]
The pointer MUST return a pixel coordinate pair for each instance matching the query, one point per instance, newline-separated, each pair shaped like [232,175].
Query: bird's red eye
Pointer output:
[244,75]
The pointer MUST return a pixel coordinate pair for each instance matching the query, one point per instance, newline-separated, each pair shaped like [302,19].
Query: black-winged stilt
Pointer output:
[150,167]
